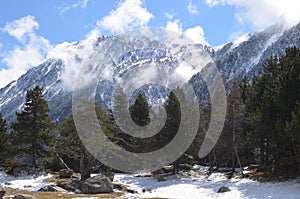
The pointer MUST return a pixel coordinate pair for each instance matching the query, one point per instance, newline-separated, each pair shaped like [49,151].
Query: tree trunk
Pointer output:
[211,164]
[232,160]
[61,161]
[85,166]
[33,160]
[33,151]
[235,150]
[175,167]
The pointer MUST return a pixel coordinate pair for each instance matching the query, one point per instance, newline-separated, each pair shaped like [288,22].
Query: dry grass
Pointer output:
[54,195]
[55,179]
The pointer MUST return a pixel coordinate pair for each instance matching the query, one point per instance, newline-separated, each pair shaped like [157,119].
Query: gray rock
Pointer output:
[97,184]
[2,191]
[65,173]
[223,189]
[57,189]
[110,175]
[159,178]
[23,196]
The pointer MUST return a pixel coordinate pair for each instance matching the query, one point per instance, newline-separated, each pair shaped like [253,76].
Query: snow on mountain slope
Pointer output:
[243,57]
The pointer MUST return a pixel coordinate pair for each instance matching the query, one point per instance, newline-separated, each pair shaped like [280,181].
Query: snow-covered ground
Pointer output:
[207,187]
[181,187]
[30,183]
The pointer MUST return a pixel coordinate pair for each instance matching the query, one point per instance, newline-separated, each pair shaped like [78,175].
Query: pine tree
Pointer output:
[4,141]
[70,146]
[140,111]
[71,149]
[235,119]
[31,132]
[270,102]
[293,131]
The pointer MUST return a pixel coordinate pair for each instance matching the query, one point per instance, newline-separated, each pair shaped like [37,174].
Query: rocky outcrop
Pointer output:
[23,196]
[223,189]
[96,185]
[65,173]
[2,191]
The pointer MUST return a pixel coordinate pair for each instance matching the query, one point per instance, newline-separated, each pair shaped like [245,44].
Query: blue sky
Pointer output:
[31,29]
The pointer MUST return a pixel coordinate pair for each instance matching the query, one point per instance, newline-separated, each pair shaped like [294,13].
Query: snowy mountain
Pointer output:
[242,57]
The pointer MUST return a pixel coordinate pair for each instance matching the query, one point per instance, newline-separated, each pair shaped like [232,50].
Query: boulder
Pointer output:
[159,178]
[108,174]
[96,185]
[23,196]
[57,189]
[223,189]
[67,187]
[65,173]
[2,191]
[122,187]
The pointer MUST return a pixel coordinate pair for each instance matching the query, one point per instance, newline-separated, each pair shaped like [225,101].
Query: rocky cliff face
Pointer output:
[234,59]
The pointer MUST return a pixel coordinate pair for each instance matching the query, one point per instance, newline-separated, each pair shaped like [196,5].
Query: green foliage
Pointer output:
[271,108]
[31,133]
[5,146]
[69,146]
[139,111]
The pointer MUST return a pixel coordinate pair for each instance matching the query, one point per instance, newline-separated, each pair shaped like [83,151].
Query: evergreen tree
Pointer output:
[293,131]
[4,141]
[31,132]
[234,122]
[270,102]
[70,147]
[140,111]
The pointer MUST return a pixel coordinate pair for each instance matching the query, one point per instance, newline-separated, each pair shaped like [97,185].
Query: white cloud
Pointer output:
[31,50]
[169,16]
[79,3]
[212,3]
[175,26]
[236,35]
[196,33]
[263,13]
[129,15]
[20,27]
[29,55]
[192,8]
[72,54]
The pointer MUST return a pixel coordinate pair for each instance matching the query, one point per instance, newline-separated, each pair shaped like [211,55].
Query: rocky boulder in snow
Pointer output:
[65,173]
[108,174]
[24,196]
[2,191]
[223,189]
[96,185]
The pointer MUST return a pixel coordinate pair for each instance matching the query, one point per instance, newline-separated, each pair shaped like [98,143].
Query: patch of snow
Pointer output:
[30,183]
[207,187]
[11,85]
[240,40]
[272,40]
[220,47]
[235,43]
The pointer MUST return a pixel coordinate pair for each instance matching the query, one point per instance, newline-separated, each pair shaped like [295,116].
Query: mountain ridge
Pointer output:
[244,59]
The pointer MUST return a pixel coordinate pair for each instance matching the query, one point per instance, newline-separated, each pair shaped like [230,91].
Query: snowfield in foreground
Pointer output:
[30,183]
[207,187]
[180,187]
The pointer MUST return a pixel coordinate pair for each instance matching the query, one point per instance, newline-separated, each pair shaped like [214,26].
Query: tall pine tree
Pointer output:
[31,132]
[271,109]
[140,111]
[4,142]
